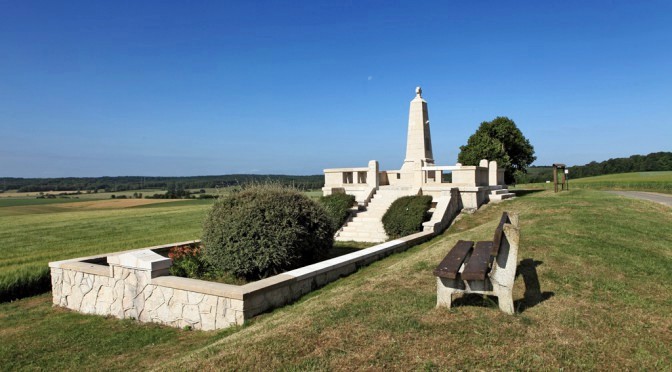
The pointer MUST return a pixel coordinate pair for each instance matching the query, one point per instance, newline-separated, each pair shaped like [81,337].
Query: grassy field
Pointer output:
[594,292]
[642,181]
[33,235]
[36,231]
[83,196]
[19,202]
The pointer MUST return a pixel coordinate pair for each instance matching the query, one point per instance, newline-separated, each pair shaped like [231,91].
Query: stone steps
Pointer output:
[367,226]
[499,191]
[500,194]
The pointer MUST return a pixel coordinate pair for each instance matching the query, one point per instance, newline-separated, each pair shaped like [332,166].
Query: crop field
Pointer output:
[19,202]
[642,181]
[15,207]
[594,291]
[82,196]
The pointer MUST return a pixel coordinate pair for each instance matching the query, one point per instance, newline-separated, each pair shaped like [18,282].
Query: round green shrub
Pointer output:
[406,215]
[338,207]
[264,230]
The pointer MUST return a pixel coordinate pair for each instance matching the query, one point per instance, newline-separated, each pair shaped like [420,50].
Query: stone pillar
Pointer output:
[419,139]
[132,273]
[373,176]
[492,174]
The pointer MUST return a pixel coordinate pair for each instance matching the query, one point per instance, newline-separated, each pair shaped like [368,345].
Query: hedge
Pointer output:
[264,230]
[406,215]
[338,207]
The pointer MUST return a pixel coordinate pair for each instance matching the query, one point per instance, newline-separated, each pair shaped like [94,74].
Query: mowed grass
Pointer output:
[642,181]
[30,239]
[595,292]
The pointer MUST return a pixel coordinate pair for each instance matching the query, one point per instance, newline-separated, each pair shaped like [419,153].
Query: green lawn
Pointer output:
[644,181]
[603,266]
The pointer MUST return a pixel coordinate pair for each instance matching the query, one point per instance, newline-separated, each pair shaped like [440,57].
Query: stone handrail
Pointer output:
[441,167]
[343,170]
[447,207]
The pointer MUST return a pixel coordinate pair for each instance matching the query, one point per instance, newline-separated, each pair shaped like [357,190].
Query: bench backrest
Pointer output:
[483,258]
[506,259]
[497,239]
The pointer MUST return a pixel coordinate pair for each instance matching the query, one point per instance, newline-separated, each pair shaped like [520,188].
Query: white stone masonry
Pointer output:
[367,226]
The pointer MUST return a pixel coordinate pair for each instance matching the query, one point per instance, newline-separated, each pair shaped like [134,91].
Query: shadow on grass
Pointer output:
[25,284]
[527,268]
[524,192]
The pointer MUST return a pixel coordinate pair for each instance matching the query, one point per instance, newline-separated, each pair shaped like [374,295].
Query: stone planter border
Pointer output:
[136,284]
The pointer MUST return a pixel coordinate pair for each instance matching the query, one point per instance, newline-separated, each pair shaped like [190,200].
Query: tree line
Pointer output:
[124,183]
[655,161]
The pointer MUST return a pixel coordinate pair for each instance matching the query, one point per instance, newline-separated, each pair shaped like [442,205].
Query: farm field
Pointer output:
[594,292]
[82,196]
[641,181]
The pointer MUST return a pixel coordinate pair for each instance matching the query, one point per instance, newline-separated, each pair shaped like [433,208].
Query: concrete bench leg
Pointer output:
[504,297]
[444,294]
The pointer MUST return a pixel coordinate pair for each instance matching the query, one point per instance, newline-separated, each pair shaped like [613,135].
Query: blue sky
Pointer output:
[164,88]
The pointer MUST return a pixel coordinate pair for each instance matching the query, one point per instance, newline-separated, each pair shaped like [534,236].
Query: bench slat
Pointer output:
[450,265]
[497,239]
[477,267]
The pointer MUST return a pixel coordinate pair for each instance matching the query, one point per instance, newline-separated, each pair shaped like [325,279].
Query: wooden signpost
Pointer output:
[564,172]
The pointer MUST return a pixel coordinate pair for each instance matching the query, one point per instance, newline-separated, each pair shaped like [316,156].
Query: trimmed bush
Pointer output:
[264,230]
[338,207]
[406,215]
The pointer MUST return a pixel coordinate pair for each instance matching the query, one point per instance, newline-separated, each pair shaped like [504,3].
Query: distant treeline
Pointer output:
[139,182]
[656,161]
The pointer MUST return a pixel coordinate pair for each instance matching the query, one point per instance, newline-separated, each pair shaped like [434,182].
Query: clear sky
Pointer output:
[93,88]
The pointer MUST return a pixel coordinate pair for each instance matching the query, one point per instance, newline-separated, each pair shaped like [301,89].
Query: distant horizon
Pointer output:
[294,175]
[264,88]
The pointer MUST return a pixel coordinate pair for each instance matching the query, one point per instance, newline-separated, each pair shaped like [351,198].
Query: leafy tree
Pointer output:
[502,141]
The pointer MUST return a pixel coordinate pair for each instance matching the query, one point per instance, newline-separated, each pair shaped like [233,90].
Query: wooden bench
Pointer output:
[486,267]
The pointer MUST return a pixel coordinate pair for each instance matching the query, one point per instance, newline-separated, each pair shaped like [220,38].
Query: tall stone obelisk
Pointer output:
[419,140]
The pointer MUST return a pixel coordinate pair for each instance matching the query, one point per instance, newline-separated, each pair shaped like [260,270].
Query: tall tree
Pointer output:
[502,141]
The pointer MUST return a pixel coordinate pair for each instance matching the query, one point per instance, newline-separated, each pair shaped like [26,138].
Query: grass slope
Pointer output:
[602,299]
[644,181]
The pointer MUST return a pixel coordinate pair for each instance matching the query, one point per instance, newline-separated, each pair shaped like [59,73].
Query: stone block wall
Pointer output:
[136,285]
[132,293]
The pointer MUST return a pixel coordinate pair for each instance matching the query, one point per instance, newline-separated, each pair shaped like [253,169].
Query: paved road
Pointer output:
[665,199]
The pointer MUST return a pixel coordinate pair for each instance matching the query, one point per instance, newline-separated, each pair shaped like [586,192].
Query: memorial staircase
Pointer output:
[367,225]
[499,193]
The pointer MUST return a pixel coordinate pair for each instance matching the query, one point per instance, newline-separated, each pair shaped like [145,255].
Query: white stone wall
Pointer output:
[129,294]
[146,293]
[448,206]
